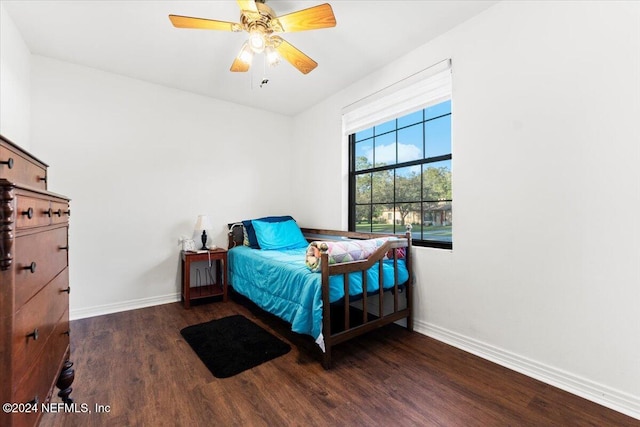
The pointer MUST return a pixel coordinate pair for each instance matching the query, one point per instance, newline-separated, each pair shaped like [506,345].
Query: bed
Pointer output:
[307,276]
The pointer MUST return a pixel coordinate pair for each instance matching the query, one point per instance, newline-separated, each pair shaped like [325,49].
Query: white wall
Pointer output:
[140,162]
[544,276]
[14,82]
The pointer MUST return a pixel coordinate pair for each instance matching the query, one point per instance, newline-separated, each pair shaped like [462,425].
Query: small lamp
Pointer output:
[203,223]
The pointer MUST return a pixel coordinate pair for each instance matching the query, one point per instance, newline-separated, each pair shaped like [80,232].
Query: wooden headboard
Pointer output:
[236,234]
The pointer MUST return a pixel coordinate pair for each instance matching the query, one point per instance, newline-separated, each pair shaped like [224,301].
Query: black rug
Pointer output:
[233,344]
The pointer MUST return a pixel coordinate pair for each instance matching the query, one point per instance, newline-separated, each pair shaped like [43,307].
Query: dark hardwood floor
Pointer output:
[137,363]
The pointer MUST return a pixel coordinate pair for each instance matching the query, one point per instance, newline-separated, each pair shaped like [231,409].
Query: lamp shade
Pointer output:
[203,223]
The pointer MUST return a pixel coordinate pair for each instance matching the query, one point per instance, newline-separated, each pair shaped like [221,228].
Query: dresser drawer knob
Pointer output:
[35,401]
[58,212]
[31,267]
[64,248]
[33,334]
[48,212]
[42,178]
[7,162]
[68,290]
[28,213]
[67,332]
[68,212]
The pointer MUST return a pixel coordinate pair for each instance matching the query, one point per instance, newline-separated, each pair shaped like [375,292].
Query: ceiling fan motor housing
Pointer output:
[260,25]
[265,19]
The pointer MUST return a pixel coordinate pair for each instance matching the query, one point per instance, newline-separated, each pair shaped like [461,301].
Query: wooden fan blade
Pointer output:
[249,5]
[294,56]
[239,66]
[203,24]
[312,18]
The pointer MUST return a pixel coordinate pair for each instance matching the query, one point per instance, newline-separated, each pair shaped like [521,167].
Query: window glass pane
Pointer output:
[394,218]
[363,134]
[438,221]
[382,187]
[407,188]
[363,188]
[383,218]
[437,110]
[436,181]
[410,119]
[385,127]
[410,143]
[438,137]
[363,218]
[408,213]
[364,154]
[385,149]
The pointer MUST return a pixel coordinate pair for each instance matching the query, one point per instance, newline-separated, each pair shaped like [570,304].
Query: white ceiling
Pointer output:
[136,39]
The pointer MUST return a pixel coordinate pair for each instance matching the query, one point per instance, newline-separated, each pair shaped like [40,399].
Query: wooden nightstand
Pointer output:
[205,291]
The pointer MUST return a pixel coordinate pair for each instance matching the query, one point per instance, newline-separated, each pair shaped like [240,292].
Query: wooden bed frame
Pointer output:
[369,321]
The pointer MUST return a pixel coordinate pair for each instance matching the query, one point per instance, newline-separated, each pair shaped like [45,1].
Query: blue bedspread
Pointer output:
[281,283]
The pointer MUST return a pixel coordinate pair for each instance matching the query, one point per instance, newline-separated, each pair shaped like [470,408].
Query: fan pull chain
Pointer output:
[265,79]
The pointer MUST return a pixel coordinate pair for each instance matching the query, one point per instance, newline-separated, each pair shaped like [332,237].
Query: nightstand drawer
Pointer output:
[36,321]
[38,259]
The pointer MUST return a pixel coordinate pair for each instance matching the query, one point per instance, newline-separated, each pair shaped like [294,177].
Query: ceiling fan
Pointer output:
[263,26]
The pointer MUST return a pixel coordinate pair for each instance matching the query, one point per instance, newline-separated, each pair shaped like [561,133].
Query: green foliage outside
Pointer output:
[376,192]
[436,232]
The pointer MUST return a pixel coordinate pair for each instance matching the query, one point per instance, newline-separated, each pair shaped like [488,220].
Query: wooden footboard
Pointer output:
[368,322]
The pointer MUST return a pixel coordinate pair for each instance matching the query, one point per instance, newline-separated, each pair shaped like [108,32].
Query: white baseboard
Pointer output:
[598,393]
[99,310]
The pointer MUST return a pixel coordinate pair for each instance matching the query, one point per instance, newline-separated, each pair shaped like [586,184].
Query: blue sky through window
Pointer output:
[415,136]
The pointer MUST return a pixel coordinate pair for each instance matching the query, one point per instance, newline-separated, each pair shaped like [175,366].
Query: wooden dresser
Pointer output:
[34,289]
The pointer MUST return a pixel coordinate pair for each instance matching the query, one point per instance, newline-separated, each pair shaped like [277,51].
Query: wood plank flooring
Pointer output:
[137,363]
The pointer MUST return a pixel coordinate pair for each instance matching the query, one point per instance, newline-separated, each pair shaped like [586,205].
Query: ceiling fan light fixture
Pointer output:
[273,58]
[246,54]
[257,40]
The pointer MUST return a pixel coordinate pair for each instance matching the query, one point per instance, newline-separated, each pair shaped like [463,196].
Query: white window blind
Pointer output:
[429,87]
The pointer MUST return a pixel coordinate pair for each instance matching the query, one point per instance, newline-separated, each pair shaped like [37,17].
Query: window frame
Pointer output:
[353,174]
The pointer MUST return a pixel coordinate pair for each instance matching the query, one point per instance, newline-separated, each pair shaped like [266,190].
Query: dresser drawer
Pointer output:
[32,211]
[60,212]
[35,321]
[20,168]
[37,382]
[38,259]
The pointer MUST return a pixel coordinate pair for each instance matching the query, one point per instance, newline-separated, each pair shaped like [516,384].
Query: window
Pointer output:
[400,173]
[400,161]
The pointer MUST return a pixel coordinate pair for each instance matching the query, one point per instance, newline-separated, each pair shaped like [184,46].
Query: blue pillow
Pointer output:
[279,235]
[251,234]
